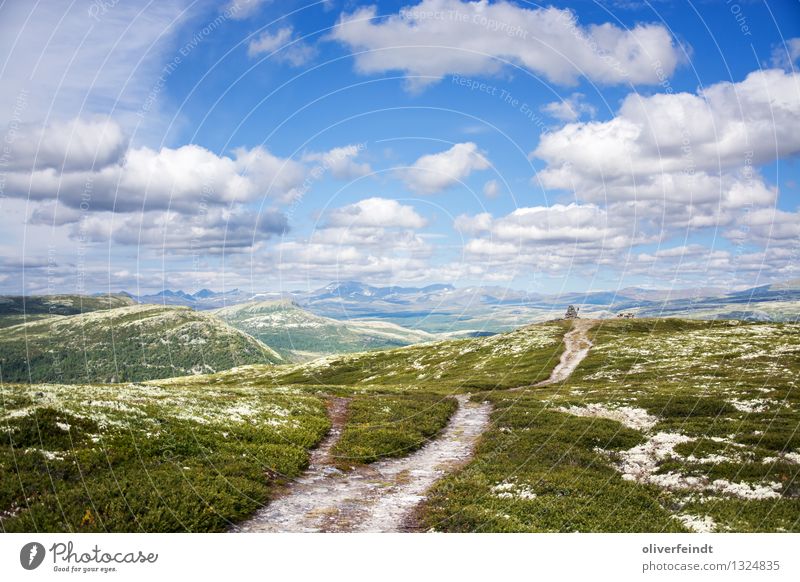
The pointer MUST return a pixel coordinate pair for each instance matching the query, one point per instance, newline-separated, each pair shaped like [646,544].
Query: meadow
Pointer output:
[667,425]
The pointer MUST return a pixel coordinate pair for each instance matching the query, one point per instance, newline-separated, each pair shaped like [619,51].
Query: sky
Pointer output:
[265,146]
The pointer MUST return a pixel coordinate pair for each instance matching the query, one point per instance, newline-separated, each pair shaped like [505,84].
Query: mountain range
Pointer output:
[444,308]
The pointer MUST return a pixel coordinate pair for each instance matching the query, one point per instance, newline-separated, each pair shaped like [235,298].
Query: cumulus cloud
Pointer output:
[79,144]
[768,226]
[282,45]
[341,161]
[727,125]
[376,212]
[214,231]
[178,179]
[375,239]
[785,56]
[550,238]
[571,108]
[491,189]
[438,37]
[436,172]
[695,155]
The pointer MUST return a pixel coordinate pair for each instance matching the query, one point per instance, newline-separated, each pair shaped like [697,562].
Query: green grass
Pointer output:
[299,335]
[536,470]
[125,344]
[728,391]
[380,426]
[135,458]
[517,358]
[32,305]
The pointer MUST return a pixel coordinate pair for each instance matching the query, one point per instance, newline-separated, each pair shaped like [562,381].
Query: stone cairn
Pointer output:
[572,312]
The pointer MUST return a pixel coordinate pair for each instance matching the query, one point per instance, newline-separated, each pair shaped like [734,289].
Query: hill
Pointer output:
[517,358]
[299,335]
[134,343]
[15,309]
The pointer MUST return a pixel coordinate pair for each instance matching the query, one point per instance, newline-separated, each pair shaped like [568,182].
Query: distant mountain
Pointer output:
[443,308]
[299,335]
[203,299]
[136,343]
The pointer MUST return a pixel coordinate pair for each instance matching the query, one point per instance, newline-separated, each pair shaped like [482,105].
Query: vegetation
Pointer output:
[668,424]
[381,425]
[140,458]
[60,304]
[518,358]
[538,470]
[134,343]
[300,336]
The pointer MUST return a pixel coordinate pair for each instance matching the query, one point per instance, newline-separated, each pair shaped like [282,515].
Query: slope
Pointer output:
[299,335]
[135,343]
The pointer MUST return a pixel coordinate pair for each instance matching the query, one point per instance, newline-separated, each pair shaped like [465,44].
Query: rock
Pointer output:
[572,312]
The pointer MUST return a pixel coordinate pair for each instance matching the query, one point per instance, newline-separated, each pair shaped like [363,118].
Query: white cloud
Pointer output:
[375,239]
[784,56]
[491,189]
[282,45]
[213,231]
[178,179]
[556,224]
[549,238]
[341,162]
[376,212]
[571,108]
[693,156]
[768,227]
[79,144]
[727,125]
[435,172]
[243,9]
[438,37]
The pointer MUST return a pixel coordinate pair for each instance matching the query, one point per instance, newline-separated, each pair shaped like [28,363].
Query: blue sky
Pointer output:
[281,145]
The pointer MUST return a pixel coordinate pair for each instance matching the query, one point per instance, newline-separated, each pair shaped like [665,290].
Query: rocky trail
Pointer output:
[576,348]
[381,497]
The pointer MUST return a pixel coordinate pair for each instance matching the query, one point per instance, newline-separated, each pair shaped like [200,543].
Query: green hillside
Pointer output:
[135,343]
[517,358]
[16,309]
[667,425]
[299,335]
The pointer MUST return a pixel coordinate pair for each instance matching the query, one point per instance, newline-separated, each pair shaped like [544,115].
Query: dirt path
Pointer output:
[374,498]
[576,348]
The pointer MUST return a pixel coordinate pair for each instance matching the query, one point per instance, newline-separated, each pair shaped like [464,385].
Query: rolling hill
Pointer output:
[134,343]
[16,309]
[299,335]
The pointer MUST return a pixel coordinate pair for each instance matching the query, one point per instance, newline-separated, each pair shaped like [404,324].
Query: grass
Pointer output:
[537,470]
[134,458]
[380,426]
[723,397]
[667,425]
[521,357]
[125,344]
